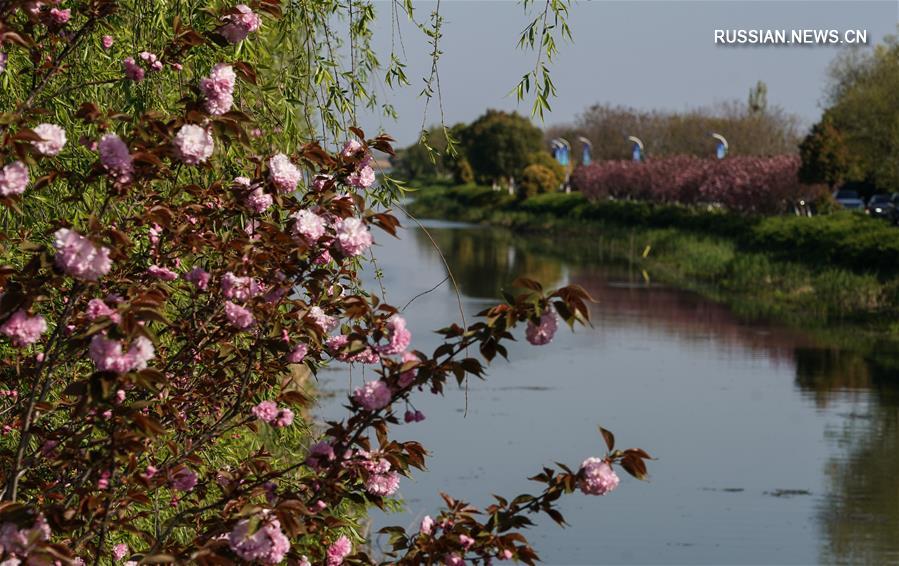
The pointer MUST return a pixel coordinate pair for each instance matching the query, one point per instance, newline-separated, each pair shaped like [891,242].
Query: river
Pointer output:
[771,446]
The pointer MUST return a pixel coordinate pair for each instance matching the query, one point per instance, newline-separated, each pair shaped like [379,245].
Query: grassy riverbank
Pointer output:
[839,269]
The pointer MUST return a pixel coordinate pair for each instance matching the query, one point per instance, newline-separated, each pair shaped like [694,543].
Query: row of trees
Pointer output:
[746,184]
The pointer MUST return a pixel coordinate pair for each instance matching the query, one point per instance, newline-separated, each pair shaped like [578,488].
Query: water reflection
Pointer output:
[774,446]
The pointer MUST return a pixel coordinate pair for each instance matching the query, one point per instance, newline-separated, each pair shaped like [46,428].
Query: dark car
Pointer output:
[849,200]
[882,206]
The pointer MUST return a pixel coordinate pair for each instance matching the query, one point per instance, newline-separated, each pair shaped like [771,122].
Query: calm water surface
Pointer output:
[772,447]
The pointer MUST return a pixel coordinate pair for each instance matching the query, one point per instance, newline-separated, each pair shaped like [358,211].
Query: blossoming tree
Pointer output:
[172,258]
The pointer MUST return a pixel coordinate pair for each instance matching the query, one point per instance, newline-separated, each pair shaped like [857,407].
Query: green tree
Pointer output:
[498,145]
[863,110]
[544,159]
[825,157]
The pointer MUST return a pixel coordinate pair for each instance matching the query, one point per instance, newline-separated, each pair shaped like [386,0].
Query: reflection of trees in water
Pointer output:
[485,261]
[859,515]
[683,314]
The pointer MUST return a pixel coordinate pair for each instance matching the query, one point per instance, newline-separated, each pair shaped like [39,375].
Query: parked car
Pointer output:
[849,199]
[882,206]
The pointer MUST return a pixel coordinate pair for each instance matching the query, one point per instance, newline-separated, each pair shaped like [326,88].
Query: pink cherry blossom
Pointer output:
[115,157]
[238,26]
[598,477]
[267,545]
[23,329]
[339,549]
[364,175]
[284,174]
[398,336]
[453,560]
[324,322]
[60,17]
[308,226]
[163,273]
[319,453]
[13,179]
[133,71]
[266,411]
[353,236]
[382,481]
[284,418]
[199,277]
[239,288]
[218,89]
[336,343]
[258,200]
[119,551]
[351,148]
[97,308]
[53,139]
[297,354]
[108,354]
[107,41]
[427,525]
[542,333]
[238,316]
[373,395]
[193,144]
[79,257]
[184,479]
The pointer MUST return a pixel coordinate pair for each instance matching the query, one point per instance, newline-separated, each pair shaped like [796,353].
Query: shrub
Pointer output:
[546,160]
[535,180]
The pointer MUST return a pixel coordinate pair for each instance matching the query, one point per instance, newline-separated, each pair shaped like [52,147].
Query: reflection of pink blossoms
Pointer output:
[542,333]
[218,88]
[53,139]
[340,549]
[22,329]
[115,157]
[13,179]
[398,336]
[238,26]
[373,395]
[193,144]
[238,316]
[598,477]
[79,257]
[353,236]
[284,174]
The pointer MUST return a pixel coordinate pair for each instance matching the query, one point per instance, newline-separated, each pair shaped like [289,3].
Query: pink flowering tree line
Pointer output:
[172,271]
[744,184]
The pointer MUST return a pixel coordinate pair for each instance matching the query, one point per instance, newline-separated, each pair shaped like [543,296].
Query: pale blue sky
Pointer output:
[651,54]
